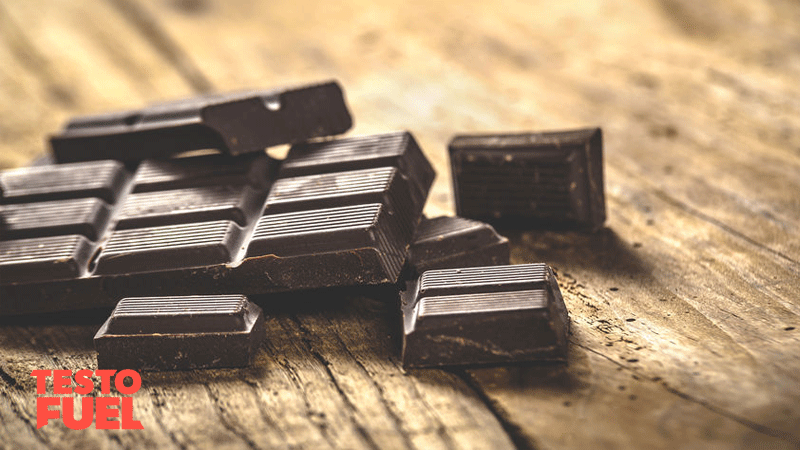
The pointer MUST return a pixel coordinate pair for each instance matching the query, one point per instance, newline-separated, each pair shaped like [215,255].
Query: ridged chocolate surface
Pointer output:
[213,170]
[329,230]
[481,303]
[169,247]
[203,225]
[179,314]
[180,332]
[355,186]
[101,179]
[345,152]
[483,315]
[199,204]
[540,180]
[57,257]
[86,216]
[315,221]
[396,149]
[482,279]
[237,123]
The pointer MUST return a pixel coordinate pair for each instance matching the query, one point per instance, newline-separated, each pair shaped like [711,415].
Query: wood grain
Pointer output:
[685,309]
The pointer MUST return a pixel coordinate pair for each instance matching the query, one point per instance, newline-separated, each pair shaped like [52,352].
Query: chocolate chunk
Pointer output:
[236,123]
[484,315]
[548,180]
[209,170]
[451,242]
[52,258]
[85,216]
[101,179]
[398,149]
[199,204]
[170,247]
[178,333]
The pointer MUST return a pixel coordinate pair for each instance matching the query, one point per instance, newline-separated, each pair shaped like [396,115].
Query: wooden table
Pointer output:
[685,310]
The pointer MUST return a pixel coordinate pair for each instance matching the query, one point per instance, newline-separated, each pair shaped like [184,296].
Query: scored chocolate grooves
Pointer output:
[203,248]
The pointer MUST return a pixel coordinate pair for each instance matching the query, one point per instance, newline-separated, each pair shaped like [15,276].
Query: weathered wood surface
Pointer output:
[685,310]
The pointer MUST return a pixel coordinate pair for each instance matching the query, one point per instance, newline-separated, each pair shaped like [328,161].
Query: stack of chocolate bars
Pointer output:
[128,219]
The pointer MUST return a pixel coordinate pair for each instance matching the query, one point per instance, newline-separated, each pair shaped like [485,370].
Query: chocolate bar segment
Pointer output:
[54,257]
[208,170]
[170,247]
[451,242]
[178,333]
[551,180]
[85,216]
[484,315]
[101,179]
[198,204]
[397,149]
[369,230]
[235,123]
[381,185]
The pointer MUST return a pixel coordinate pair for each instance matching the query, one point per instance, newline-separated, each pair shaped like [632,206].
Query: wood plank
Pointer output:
[684,310]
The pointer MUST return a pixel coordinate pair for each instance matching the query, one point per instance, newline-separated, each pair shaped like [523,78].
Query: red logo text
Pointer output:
[105,410]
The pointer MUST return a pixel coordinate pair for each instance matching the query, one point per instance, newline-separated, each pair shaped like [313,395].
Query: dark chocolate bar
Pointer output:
[178,333]
[235,123]
[550,180]
[451,242]
[205,225]
[484,315]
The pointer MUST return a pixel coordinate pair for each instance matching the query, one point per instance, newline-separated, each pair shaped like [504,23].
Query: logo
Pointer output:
[105,410]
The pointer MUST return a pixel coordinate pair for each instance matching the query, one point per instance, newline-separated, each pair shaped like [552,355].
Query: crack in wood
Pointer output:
[392,415]
[362,431]
[158,404]
[229,422]
[295,378]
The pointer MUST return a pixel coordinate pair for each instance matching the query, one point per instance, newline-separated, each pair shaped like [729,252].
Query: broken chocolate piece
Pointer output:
[484,315]
[236,123]
[548,180]
[178,333]
[452,242]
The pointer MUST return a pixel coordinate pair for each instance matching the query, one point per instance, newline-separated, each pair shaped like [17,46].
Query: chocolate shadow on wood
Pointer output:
[603,251]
